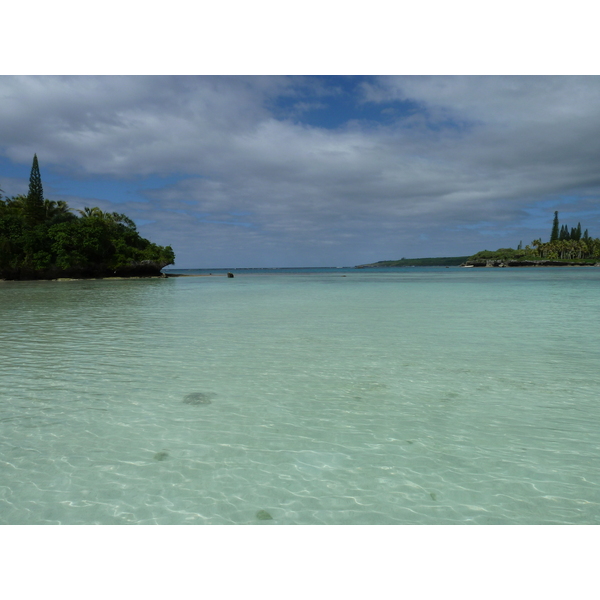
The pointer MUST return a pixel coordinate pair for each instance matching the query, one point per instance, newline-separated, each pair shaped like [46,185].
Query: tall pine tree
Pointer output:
[554,234]
[564,233]
[34,205]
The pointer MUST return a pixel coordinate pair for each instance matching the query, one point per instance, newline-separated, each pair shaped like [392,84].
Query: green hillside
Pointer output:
[441,261]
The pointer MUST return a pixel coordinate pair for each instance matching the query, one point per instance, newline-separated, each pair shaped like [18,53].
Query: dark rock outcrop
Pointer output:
[524,263]
[197,398]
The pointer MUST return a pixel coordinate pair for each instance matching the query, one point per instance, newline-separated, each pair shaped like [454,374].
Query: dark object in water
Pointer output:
[161,456]
[198,398]
[229,274]
[263,515]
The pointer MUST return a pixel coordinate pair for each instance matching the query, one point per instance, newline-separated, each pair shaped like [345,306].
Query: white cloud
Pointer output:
[476,150]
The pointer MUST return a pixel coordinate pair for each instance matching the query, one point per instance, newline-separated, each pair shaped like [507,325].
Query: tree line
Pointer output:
[45,239]
[567,244]
[564,233]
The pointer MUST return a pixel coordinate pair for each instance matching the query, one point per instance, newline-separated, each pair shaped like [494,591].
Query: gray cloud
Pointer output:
[478,162]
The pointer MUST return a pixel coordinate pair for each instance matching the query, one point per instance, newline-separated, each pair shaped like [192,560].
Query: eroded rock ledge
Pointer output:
[526,263]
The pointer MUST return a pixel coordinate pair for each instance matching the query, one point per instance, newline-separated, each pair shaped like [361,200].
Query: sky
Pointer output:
[290,171]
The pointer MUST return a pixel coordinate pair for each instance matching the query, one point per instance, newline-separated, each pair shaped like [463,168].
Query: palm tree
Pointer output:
[537,244]
[53,209]
[91,212]
[120,219]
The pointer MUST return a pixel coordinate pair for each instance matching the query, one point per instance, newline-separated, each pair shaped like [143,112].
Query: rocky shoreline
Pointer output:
[525,263]
[134,270]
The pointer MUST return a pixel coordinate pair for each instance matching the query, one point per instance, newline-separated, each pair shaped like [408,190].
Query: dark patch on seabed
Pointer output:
[198,398]
[263,515]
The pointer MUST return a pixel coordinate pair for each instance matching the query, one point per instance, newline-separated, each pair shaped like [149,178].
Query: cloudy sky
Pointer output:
[271,171]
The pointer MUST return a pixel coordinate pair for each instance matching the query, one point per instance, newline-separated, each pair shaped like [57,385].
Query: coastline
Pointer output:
[526,263]
[194,275]
[161,276]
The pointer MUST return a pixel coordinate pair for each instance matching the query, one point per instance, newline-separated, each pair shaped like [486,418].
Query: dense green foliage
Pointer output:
[42,239]
[505,254]
[565,245]
[568,249]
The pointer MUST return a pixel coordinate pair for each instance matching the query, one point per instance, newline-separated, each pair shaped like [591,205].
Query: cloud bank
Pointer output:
[307,171]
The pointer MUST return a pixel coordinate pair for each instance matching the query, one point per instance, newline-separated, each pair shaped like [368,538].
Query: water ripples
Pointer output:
[329,404]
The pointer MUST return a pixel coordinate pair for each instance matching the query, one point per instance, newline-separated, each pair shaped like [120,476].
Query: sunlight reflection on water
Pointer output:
[418,396]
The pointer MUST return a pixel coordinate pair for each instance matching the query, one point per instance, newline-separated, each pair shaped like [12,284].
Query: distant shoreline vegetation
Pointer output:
[44,239]
[442,261]
[567,247]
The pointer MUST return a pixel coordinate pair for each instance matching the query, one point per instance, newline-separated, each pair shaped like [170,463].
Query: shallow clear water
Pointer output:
[408,396]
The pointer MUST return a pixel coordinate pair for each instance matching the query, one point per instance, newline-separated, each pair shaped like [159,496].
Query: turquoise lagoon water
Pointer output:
[326,396]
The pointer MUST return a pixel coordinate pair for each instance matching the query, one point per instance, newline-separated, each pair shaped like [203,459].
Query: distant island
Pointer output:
[44,239]
[567,247]
[442,261]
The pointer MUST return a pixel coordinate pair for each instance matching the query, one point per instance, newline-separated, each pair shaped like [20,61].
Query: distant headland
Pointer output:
[566,248]
[442,261]
[44,239]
